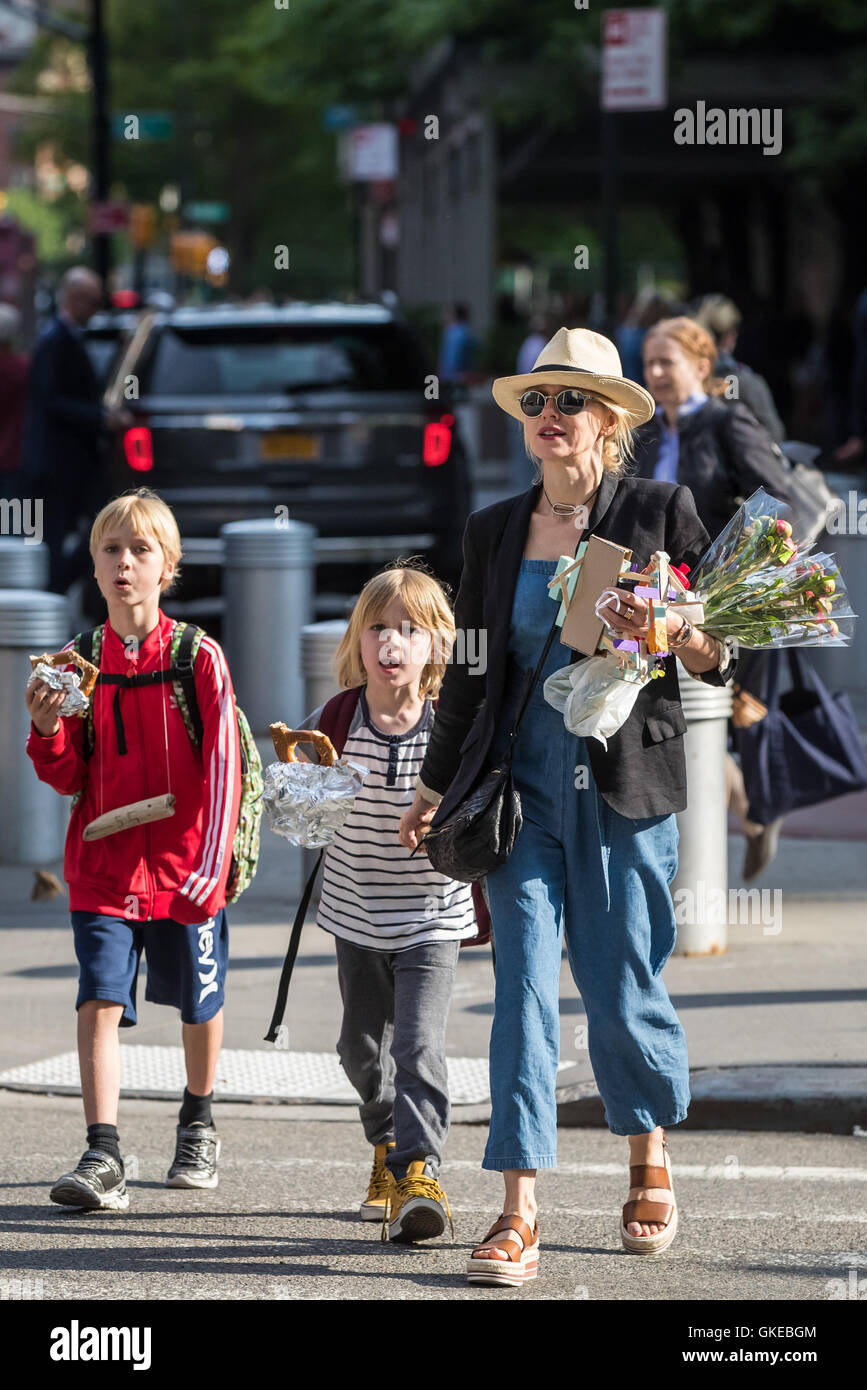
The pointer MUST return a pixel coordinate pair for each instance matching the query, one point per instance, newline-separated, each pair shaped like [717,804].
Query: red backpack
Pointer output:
[335,721]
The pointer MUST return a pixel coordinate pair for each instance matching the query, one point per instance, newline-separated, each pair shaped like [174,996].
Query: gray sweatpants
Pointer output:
[392,1044]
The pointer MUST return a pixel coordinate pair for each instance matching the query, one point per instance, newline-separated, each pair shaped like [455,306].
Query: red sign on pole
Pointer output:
[108,217]
[634,76]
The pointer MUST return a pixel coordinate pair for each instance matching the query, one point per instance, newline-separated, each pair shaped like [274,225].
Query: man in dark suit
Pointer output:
[65,424]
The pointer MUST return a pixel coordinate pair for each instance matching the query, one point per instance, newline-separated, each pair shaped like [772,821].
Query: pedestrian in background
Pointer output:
[458,347]
[722,319]
[646,309]
[14,367]
[717,449]
[65,426]
[854,446]
[539,331]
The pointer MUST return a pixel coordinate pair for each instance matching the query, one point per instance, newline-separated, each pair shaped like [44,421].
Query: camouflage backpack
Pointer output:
[183,648]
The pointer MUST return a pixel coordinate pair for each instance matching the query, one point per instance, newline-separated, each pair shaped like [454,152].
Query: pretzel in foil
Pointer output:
[285,740]
[89,672]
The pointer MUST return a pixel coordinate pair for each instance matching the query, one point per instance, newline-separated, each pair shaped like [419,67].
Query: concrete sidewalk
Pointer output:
[775,1025]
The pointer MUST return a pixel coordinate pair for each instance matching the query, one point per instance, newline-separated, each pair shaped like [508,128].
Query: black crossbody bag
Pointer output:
[480,833]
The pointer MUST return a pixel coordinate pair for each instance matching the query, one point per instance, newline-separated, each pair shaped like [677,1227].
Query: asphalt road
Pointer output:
[762,1217]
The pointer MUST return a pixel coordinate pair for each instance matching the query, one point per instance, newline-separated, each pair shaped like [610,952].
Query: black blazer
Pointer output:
[63,420]
[724,454]
[643,770]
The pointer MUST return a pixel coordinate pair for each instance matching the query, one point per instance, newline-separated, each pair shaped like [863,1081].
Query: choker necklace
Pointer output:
[566,508]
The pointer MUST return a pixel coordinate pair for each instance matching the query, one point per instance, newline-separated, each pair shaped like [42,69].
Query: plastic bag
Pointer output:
[594,701]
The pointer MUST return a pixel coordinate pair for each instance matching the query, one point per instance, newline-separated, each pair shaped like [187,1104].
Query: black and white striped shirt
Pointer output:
[373,893]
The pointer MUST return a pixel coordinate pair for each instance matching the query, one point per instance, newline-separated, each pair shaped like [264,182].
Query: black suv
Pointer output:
[319,408]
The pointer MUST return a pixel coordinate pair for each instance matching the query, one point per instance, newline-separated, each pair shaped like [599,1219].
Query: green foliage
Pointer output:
[48,222]
[246,84]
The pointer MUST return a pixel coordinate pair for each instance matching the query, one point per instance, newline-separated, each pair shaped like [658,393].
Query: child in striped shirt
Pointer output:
[397,923]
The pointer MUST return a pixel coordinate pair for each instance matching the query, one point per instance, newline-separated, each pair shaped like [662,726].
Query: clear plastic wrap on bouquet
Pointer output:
[761,588]
[308,803]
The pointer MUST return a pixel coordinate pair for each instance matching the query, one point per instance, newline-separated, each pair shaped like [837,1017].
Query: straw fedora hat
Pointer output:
[576,357]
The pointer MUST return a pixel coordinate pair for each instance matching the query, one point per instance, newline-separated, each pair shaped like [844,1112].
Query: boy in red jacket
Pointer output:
[158,887]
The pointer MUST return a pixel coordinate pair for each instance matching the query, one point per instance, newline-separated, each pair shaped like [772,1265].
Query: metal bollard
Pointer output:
[700,887]
[33,818]
[23,566]
[268,587]
[319,642]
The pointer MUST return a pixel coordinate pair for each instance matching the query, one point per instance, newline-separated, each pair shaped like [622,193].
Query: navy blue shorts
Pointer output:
[186,965]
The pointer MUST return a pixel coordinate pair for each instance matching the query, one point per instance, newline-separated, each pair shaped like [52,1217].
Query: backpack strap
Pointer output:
[335,720]
[184,638]
[89,645]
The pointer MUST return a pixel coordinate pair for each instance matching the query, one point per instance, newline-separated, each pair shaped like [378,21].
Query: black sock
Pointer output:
[196,1110]
[105,1139]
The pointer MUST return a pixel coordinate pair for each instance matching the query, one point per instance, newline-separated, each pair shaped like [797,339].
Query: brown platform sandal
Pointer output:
[648,1211]
[511,1260]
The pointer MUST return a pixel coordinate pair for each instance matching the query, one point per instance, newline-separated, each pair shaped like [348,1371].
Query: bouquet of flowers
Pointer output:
[762,587]
[758,586]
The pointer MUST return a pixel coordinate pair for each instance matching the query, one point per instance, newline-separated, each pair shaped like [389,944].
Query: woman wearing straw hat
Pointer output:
[596,851]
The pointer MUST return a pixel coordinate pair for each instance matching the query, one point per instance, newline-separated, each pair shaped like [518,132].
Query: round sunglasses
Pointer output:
[569,402]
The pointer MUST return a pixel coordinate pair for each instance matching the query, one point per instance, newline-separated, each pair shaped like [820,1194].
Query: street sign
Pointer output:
[372,152]
[339,117]
[206,212]
[142,125]
[634,68]
[106,218]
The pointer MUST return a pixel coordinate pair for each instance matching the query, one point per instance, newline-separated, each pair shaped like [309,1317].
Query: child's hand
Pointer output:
[415,821]
[42,705]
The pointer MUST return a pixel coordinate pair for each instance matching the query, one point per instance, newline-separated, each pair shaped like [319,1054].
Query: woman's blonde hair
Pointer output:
[427,605]
[695,341]
[148,514]
[616,447]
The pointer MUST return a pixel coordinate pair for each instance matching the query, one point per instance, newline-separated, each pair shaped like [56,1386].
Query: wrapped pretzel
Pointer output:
[307,803]
[79,684]
[89,672]
[284,741]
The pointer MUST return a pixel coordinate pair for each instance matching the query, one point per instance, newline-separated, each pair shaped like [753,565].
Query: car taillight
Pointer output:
[438,441]
[138,448]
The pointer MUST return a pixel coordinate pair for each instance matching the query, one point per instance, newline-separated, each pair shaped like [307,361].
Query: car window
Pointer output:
[279,358]
[102,352]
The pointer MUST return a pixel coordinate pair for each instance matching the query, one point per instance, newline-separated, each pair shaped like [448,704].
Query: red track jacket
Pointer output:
[176,867]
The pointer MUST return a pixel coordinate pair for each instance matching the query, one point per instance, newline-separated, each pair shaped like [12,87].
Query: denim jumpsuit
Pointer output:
[578,867]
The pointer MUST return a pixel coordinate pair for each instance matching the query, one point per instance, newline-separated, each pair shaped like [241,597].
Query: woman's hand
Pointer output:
[415,821]
[624,613]
[43,704]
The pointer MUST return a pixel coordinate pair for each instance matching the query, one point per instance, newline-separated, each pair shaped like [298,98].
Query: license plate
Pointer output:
[285,445]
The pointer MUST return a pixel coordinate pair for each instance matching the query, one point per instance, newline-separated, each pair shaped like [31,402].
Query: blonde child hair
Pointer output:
[428,607]
[148,514]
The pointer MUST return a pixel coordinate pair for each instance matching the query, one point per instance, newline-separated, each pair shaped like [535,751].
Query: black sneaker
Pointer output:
[98,1183]
[196,1155]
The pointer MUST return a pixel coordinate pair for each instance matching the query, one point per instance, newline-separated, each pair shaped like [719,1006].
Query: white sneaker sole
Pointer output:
[68,1192]
[370,1211]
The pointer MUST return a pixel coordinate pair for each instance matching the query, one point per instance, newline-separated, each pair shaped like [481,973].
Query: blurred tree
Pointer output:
[247,83]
